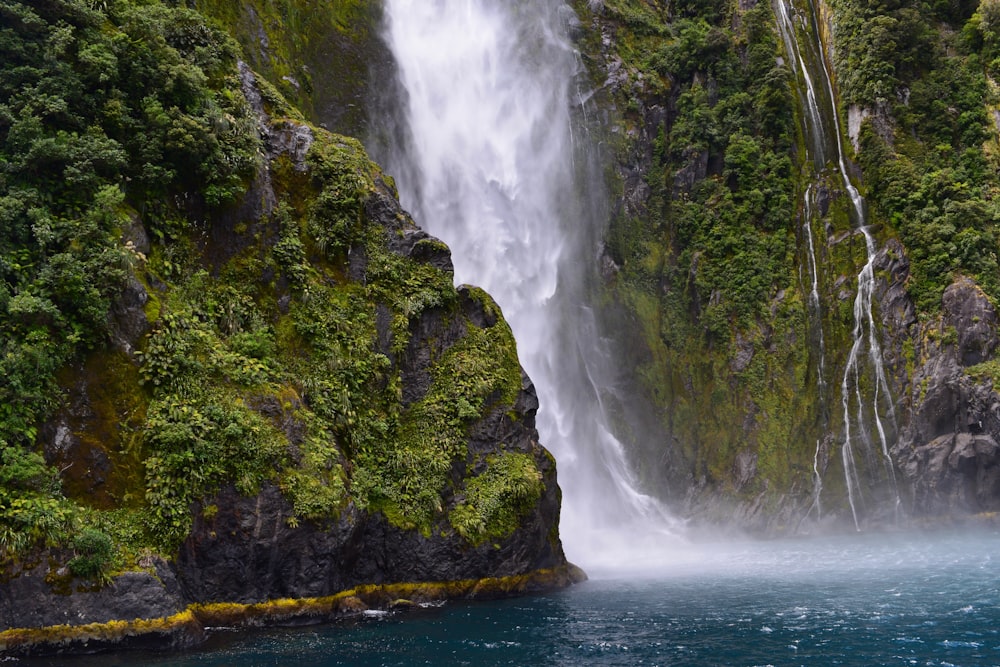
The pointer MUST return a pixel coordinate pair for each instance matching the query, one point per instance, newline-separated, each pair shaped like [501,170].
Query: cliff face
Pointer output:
[734,259]
[279,394]
[322,56]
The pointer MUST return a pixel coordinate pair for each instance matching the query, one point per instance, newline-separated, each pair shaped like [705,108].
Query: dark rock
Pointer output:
[383,329]
[292,140]
[969,311]
[476,310]
[284,303]
[429,250]
[404,237]
[431,333]
[357,263]
[743,354]
[948,448]
[135,236]
[745,468]
[28,599]
[823,200]
[249,551]
[128,316]
[692,172]
[527,401]
[963,455]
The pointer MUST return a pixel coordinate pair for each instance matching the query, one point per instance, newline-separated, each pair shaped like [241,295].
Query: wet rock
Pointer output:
[250,550]
[743,355]
[135,236]
[969,312]
[948,448]
[128,316]
[694,170]
[745,468]
[38,595]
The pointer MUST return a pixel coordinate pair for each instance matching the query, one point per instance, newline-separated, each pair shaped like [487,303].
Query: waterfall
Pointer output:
[816,315]
[817,103]
[487,161]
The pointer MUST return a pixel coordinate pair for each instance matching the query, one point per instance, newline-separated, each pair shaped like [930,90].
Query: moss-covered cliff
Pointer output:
[724,219]
[233,368]
[322,56]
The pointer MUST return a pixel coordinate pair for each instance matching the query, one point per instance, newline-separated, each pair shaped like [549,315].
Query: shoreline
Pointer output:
[189,628]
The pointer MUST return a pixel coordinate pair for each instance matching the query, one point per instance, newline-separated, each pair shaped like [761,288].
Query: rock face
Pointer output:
[29,600]
[248,552]
[948,450]
[751,412]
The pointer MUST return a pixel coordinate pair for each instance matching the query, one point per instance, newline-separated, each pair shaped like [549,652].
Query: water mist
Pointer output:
[488,158]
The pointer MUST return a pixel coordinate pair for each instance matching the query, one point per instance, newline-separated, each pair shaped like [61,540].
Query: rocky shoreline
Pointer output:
[191,625]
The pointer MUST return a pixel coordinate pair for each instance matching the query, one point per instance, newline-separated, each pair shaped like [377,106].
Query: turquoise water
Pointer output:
[918,599]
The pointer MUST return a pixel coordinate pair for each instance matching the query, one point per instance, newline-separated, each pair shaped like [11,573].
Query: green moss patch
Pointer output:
[498,498]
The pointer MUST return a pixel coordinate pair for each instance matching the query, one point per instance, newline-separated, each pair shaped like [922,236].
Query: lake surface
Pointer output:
[913,599]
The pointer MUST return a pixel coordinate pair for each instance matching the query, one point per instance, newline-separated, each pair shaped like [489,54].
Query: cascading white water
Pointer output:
[816,312]
[492,169]
[863,317]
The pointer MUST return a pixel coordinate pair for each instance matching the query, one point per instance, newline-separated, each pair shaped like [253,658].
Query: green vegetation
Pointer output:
[707,266]
[403,478]
[93,554]
[721,176]
[274,340]
[106,112]
[711,266]
[925,68]
[319,54]
[496,499]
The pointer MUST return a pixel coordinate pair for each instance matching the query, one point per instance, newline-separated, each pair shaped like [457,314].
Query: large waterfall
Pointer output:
[821,123]
[490,158]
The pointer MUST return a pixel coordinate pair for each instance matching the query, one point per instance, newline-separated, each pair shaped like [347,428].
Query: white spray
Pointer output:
[494,172]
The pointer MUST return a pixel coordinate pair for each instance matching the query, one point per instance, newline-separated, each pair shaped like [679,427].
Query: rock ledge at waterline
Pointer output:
[183,627]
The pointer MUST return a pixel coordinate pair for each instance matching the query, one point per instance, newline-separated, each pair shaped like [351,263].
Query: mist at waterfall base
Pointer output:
[853,600]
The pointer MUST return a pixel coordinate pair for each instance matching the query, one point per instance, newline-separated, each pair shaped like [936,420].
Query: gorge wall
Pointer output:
[234,369]
[731,264]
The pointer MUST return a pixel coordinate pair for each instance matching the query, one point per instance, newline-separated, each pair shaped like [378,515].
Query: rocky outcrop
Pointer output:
[44,594]
[248,552]
[252,547]
[948,450]
[752,409]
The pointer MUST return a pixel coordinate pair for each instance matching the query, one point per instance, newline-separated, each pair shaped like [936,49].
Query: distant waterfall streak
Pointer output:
[493,169]
[813,118]
[814,301]
[863,318]
[816,315]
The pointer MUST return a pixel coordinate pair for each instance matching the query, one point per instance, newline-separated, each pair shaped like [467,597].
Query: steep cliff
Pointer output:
[234,369]
[734,256]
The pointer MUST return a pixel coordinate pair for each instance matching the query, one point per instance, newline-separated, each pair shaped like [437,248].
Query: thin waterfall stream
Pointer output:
[491,163]
[827,151]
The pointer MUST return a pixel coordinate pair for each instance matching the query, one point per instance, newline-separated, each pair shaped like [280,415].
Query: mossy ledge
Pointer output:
[189,627]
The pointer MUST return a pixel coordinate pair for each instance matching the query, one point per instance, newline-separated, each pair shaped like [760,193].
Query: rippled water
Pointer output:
[915,599]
